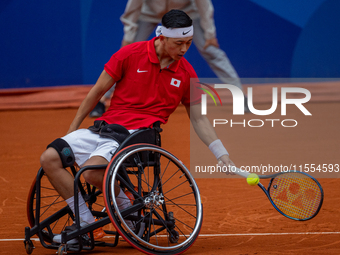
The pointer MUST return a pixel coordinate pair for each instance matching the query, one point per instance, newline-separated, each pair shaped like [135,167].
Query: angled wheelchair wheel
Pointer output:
[165,213]
[51,209]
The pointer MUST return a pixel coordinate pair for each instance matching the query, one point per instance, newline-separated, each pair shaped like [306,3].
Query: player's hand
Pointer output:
[226,161]
[211,42]
[124,43]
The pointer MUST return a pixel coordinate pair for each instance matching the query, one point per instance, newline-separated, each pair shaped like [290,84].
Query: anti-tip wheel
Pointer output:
[29,247]
[174,236]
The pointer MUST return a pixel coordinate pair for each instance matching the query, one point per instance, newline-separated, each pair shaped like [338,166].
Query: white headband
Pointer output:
[175,32]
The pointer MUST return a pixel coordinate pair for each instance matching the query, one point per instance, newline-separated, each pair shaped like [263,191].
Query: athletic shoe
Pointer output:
[98,110]
[98,233]
[68,229]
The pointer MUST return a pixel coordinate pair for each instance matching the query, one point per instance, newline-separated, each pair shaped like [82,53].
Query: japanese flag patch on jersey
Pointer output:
[175,82]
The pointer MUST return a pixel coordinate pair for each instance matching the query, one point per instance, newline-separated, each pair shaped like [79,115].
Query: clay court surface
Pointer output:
[238,219]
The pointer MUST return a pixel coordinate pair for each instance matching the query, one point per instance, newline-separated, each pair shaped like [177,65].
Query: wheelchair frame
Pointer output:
[148,201]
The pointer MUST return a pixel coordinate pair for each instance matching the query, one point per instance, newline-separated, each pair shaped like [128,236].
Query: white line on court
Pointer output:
[269,234]
[222,235]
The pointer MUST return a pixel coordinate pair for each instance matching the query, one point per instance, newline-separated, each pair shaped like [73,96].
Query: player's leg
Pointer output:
[217,60]
[215,57]
[90,149]
[75,147]
[95,177]
[145,29]
[106,147]
[102,155]
[60,179]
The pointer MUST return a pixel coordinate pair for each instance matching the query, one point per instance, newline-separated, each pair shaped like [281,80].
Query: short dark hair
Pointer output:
[176,19]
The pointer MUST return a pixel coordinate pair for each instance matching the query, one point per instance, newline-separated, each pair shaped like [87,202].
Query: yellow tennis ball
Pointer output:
[253,179]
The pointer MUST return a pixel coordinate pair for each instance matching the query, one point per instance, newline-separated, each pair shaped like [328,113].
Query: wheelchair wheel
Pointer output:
[53,213]
[165,213]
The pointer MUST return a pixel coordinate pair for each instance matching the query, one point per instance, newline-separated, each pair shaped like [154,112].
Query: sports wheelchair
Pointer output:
[166,209]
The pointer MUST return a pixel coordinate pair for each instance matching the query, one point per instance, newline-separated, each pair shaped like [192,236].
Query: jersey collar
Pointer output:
[154,59]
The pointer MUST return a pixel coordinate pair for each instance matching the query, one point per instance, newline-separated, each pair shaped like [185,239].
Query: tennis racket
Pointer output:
[294,194]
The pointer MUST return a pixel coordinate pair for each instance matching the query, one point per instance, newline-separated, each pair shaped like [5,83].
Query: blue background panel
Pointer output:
[40,43]
[49,43]
[266,39]
[317,53]
[296,11]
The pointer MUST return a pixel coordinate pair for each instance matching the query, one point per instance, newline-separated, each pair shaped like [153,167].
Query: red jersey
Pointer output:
[144,92]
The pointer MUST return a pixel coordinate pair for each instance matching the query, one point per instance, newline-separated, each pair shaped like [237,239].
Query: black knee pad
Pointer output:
[64,150]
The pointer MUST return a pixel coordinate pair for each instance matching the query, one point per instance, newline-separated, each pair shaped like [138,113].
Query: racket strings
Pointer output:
[296,195]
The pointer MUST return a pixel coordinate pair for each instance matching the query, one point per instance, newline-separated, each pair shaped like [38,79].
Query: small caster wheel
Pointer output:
[29,247]
[62,250]
[174,236]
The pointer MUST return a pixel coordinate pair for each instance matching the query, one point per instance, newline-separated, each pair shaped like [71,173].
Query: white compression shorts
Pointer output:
[86,144]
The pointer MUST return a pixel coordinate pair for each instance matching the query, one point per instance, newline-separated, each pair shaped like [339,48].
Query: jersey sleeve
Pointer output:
[117,64]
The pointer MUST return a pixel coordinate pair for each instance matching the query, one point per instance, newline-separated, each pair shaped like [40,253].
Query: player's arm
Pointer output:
[207,134]
[103,84]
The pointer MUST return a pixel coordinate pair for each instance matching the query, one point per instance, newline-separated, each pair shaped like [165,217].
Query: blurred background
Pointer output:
[51,43]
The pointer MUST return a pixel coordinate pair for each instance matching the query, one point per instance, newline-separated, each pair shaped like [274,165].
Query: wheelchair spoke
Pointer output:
[163,183]
[146,178]
[180,230]
[144,181]
[165,169]
[153,224]
[183,222]
[176,187]
[47,207]
[178,205]
[185,235]
[100,205]
[58,196]
[190,193]
[160,218]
